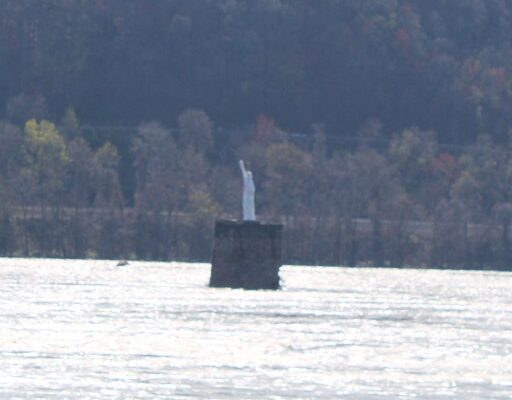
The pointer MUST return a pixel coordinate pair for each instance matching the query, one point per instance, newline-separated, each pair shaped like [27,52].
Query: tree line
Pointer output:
[407,201]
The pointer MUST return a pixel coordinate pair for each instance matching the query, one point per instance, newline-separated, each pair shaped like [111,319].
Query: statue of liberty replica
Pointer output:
[248,208]
[246,254]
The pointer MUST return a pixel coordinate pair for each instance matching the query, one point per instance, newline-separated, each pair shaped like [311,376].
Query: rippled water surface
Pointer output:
[91,330]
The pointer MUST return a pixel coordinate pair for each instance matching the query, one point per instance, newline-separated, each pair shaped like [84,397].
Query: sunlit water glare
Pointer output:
[92,330]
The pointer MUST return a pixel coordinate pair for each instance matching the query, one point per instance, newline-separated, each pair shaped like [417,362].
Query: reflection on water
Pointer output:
[90,329]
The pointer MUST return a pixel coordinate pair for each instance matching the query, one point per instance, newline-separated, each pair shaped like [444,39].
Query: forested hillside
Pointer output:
[378,131]
[437,64]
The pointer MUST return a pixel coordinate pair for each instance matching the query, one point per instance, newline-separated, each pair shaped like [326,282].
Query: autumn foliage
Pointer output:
[378,132]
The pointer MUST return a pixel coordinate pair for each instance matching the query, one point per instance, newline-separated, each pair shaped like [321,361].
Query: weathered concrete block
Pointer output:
[246,255]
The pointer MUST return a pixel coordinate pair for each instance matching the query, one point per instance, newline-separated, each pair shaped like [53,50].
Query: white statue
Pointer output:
[248,196]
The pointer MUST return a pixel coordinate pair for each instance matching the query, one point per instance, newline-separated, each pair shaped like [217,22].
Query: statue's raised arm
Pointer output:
[248,207]
[242,168]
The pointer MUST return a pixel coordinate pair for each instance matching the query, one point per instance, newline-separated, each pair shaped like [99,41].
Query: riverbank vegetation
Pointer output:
[377,131]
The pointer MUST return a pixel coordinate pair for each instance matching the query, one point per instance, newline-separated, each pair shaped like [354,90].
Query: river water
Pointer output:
[91,330]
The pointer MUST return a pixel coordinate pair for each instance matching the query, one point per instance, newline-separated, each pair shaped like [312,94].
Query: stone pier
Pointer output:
[246,255]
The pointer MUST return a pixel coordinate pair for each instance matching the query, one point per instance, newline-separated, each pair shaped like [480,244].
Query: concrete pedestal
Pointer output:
[246,255]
